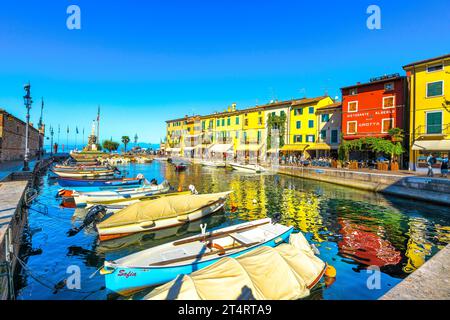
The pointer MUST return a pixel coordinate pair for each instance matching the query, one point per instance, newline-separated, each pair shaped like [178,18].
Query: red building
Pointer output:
[371,109]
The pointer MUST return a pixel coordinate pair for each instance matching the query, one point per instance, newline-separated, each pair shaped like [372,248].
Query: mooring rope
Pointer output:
[49,285]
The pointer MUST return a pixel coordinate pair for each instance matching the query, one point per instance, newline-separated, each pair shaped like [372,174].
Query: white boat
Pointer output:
[252,168]
[214,164]
[164,263]
[85,174]
[82,198]
[161,213]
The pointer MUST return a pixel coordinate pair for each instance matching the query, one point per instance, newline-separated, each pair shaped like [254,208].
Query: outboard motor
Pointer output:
[154,182]
[116,170]
[193,189]
[276,218]
[94,214]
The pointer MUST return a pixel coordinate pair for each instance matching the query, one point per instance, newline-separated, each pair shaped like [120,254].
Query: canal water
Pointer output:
[357,232]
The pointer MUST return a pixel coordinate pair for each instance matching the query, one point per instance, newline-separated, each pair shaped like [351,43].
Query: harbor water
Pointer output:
[373,241]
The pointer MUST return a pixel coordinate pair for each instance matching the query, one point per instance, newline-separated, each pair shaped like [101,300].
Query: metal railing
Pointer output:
[433,129]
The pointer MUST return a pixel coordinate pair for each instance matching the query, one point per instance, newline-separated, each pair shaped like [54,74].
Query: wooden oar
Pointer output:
[216,235]
[199,256]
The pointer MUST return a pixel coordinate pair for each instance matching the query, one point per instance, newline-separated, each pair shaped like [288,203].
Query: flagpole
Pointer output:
[98,124]
[67,139]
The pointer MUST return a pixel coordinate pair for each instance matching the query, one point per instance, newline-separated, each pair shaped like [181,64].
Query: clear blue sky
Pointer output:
[148,61]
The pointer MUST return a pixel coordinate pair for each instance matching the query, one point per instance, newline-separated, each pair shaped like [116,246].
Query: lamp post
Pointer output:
[51,141]
[27,101]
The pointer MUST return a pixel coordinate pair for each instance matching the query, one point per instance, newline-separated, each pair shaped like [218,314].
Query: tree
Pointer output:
[125,141]
[275,122]
[110,145]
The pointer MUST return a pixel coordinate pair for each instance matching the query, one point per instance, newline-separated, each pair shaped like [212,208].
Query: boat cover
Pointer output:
[282,273]
[162,208]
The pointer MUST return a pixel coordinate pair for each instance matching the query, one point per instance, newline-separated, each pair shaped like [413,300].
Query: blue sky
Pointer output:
[148,61]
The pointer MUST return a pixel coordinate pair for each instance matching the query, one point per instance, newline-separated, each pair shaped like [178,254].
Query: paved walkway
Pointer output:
[429,282]
[10,195]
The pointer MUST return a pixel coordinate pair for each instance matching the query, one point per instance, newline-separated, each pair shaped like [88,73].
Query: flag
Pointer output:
[67,129]
[76,129]
[98,114]
[59,128]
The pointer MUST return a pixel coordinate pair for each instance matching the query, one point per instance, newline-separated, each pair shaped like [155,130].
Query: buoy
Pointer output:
[330,272]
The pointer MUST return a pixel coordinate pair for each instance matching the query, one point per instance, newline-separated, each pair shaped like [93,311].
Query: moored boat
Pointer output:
[100,182]
[161,213]
[85,173]
[286,272]
[81,198]
[164,263]
[214,164]
[251,168]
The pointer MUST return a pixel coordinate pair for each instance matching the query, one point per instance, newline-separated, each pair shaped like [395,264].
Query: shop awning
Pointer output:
[319,146]
[249,147]
[432,145]
[221,148]
[294,147]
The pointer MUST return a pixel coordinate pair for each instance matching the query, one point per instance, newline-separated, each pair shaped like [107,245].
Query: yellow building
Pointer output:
[429,109]
[304,127]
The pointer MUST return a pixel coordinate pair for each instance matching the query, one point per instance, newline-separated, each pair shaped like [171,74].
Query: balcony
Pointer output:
[433,131]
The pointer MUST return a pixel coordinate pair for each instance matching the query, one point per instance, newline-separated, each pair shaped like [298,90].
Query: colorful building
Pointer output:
[329,119]
[304,127]
[371,109]
[429,108]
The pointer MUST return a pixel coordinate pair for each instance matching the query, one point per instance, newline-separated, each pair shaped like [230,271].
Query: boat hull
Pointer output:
[245,168]
[70,182]
[123,231]
[131,194]
[125,280]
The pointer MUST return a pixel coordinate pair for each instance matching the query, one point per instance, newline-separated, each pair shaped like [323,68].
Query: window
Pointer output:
[334,136]
[211,122]
[311,124]
[299,124]
[246,122]
[436,67]
[273,114]
[282,113]
[218,123]
[353,106]
[351,127]
[325,117]
[298,138]
[228,121]
[223,122]
[260,120]
[388,102]
[386,125]
[353,92]
[203,125]
[389,86]
[298,112]
[310,138]
[323,135]
[237,134]
[435,89]
[258,137]
[311,110]
[434,122]
[237,120]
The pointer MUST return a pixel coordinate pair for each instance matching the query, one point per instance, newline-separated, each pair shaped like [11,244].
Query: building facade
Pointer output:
[329,120]
[304,127]
[372,109]
[429,110]
[12,138]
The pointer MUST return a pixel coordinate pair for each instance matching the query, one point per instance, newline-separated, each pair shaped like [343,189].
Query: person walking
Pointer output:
[444,167]
[431,160]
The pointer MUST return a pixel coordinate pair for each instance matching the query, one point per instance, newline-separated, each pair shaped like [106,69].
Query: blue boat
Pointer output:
[72,182]
[164,263]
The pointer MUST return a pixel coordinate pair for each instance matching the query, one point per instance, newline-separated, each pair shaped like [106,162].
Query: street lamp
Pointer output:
[27,101]
[51,141]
